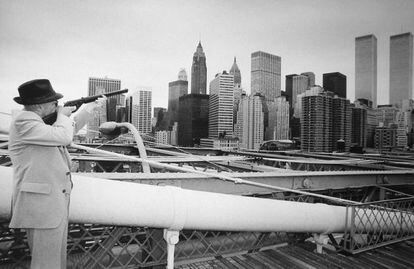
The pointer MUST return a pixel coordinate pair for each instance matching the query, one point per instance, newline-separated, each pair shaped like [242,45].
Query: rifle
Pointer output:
[51,118]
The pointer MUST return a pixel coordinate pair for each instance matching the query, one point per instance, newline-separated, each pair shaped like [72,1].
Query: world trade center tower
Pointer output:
[401,68]
[366,68]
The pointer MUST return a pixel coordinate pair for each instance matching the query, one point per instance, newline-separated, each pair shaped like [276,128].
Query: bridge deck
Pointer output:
[399,255]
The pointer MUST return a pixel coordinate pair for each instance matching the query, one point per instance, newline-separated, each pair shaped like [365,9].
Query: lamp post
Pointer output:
[114,129]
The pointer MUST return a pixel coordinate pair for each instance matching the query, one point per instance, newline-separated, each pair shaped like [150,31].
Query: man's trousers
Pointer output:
[48,246]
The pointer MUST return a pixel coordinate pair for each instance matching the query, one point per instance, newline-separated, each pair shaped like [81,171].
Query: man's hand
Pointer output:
[66,110]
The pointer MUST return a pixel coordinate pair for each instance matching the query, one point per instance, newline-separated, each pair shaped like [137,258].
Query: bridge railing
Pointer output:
[97,246]
[393,218]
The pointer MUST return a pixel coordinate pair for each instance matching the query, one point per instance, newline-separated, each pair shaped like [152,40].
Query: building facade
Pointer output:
[199,71]
[108,111]
[220,122]
[176,89]
[139,110]
[250,122]
[278,127]
[192,119]
[335,82]
[366,68]
[265,74]
[401,68]
[316,123]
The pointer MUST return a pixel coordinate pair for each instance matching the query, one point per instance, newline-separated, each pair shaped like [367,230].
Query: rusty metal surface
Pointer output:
[399,255]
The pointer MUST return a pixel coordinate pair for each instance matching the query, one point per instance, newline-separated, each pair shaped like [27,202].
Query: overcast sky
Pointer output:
[145,43]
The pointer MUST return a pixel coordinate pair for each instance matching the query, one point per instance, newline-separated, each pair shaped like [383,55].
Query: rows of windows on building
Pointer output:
[311,117]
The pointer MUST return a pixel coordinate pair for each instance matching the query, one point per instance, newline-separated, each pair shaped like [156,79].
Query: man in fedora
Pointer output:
[41,165]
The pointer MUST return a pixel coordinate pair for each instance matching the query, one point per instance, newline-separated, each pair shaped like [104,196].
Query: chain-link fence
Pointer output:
[97,246]
[376,224]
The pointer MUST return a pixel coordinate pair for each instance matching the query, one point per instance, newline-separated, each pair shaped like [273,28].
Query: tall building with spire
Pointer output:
[199,71]
[235,71]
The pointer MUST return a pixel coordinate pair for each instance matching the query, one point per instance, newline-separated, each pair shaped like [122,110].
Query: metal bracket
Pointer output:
[172,238]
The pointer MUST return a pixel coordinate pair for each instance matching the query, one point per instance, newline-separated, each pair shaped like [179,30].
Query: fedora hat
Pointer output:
[37,91]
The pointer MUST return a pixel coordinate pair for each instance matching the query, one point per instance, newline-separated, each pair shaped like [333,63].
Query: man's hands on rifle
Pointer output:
[90,107]
[66,110]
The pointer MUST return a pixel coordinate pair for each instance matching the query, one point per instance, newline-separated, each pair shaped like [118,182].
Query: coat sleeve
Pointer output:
[36,132]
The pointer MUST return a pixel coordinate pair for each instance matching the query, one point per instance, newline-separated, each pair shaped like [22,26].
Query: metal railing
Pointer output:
[393,220]
[97,246]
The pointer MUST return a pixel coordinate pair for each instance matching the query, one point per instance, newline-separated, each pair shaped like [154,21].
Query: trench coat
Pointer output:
[41,165]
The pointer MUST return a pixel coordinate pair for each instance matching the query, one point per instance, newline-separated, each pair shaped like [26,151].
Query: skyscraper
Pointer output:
[401,68]
[366,68]
[192,119]
[176,89]
[199,71]
[265,74]
[108,111]
[250,119]
[139,110]
[235,71]
[220,120]
[311,77]
[278,128]
[316,123]
[336,83]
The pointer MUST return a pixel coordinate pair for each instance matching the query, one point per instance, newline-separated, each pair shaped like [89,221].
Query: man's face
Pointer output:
[50,107]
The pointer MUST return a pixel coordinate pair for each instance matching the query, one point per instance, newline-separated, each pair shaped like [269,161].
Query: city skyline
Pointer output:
[149,42]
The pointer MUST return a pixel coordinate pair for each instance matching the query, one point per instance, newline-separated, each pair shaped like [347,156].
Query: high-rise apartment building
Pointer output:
[220,120]
[341,124]
[325,123]
[235,71]
[265,74]
[139,110]
[401,68]
[199,71]
[192,119]
[366,68]
[335,82]
[250,119]
[316,123]
[176,89]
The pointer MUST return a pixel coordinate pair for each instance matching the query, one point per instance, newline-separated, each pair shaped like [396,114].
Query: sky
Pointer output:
[146,43]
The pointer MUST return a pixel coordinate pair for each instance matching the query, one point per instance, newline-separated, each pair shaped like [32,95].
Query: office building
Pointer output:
[139,109]
[199,71]
[366,68]
[278,124]
[176,89]
[192,119]
[108,111]
[311,77]
[220,123]
[359,126]
[235,71]
[336,83]
[265,74]
[250,122]
[401,68]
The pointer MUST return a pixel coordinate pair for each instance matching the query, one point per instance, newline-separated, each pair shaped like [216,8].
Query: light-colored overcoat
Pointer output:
[41,165]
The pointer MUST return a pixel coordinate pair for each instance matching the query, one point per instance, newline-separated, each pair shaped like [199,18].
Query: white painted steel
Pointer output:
[100,201]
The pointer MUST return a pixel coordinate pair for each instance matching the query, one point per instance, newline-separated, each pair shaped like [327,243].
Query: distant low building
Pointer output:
[226,143]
